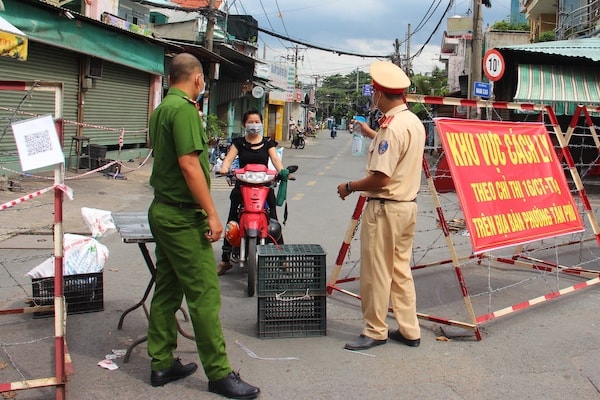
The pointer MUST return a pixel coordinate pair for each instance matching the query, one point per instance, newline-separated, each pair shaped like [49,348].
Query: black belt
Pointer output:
[381,200]
[178,205]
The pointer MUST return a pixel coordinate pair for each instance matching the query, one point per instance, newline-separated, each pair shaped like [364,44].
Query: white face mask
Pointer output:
[376,102]
[254,128]
[201,95]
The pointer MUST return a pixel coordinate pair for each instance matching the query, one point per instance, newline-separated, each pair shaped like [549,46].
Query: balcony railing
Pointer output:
[579,21]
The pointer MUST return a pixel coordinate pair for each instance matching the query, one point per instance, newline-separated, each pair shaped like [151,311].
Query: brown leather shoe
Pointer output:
[223,267]
[173,373]
[364,342]
[397,336]
[233,387]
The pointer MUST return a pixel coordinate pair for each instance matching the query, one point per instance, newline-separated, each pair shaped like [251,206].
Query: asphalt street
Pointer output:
[547,351]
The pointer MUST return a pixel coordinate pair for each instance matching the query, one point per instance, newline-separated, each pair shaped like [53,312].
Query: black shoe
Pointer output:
[397,336]
[233,387]
[364,342]
[176,371]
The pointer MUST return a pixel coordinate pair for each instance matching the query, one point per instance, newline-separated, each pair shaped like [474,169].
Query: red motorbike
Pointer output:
[255,227]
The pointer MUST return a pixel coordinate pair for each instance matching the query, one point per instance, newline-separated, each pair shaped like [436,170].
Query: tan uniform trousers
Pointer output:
[386,240]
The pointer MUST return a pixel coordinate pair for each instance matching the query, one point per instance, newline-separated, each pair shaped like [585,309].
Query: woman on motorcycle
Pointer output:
[252,148]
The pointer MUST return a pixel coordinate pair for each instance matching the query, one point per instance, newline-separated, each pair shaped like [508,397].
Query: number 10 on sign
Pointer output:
[493,65]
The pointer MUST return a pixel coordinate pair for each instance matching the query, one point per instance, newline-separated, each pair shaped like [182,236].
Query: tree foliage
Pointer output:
[510,26]
[340,96]
[547,36]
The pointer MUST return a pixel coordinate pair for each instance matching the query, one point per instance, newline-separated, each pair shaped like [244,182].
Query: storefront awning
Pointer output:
[47,24]
[13,42]
[562,87]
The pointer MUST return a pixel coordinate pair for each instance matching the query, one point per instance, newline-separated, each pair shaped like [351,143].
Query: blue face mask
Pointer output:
[254,128]
[201,95]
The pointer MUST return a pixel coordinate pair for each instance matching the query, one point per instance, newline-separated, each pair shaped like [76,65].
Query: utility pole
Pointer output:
[210,26]
[477,49]
[396,59]
[208,43]
[408,62]
[295,59]
[357,75]
[316,104]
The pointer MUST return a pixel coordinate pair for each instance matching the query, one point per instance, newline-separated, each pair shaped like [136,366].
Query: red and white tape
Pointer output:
[67,190]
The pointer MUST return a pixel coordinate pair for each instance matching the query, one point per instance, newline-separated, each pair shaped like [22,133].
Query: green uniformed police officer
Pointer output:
[184,223]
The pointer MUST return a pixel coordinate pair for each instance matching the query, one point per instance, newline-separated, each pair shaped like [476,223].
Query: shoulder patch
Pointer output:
[383,146]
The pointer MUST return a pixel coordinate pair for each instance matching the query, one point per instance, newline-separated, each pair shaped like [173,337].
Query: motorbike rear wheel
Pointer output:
[252,264]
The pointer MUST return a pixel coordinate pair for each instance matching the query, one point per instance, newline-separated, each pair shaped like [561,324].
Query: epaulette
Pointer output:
[194,102]
[385,121]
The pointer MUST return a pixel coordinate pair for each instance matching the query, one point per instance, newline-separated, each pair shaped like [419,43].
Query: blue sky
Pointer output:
[354,26]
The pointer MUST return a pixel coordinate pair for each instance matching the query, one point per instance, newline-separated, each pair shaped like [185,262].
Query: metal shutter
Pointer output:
[118,100]
[44,63]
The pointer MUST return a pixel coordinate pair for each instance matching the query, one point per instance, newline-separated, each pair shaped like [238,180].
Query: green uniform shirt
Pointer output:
[176,129]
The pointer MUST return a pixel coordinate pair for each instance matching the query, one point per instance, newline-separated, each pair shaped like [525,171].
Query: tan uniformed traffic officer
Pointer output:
[391,185]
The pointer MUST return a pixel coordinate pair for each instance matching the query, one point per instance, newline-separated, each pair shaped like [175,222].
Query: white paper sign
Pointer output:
[37,143]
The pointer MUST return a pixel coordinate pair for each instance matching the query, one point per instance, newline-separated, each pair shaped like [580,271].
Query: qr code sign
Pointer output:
[38,142]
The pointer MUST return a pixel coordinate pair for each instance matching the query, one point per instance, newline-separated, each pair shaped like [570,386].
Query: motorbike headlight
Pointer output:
[255,177]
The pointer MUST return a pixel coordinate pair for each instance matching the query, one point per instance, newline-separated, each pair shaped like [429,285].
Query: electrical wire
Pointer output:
[314,46]
[418,53]
[268,20]
[280,14]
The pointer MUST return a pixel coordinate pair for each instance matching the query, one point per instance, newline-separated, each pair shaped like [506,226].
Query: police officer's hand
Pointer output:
[343,191]
[215,228]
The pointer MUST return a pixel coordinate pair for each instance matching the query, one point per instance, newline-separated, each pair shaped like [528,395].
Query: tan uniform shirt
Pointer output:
[397,152]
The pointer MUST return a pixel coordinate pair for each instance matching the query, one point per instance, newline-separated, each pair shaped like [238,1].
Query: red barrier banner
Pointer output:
[510,184]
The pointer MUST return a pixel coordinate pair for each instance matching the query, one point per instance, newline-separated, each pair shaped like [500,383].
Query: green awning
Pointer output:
[49,25]
[562,87]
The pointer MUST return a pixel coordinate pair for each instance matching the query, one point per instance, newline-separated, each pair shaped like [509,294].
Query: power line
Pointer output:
[281,18]
[313,46]
[450,3]
[268,20]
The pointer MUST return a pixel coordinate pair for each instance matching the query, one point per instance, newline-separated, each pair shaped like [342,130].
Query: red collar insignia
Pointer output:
[194,102]
[385,121]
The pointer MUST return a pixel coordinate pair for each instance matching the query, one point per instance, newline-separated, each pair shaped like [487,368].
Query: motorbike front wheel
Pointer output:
[252,264]
[300,144]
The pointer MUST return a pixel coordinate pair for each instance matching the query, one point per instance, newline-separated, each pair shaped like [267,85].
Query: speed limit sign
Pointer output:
[493,65]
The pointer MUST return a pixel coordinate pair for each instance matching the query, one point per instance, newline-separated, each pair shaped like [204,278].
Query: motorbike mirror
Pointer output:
[292,168]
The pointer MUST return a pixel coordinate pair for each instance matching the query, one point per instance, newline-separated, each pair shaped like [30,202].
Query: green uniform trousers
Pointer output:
[185,265]
[386,241]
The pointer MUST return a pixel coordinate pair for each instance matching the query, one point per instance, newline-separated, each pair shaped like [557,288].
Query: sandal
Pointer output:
[223,267]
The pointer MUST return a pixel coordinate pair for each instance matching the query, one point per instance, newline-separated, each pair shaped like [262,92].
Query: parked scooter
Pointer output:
[333,131]
[255,226]
[298,140]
